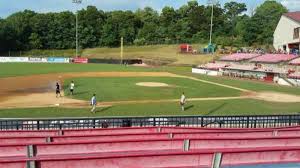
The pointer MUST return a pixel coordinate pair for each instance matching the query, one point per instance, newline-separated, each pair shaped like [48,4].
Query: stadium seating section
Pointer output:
[239,57]
[295,61]
[148,147]
[213,66]
[294,75]
[273,58]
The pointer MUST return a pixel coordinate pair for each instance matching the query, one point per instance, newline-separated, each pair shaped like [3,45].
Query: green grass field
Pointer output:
[212,108]
[20,69]
[128,91]
[122,89]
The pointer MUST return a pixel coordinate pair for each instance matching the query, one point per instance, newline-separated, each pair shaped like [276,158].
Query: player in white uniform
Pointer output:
[93,103]
[72,85]
[182,101]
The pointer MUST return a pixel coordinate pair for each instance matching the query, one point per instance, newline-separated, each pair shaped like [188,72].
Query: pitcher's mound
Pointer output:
[152,84]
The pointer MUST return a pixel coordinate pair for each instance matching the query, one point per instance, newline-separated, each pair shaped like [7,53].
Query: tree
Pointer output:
[91,23]
[20,24]
[147,34]
[7,36]
[262,25]
[35,41]
[234,9]
[190,23]
[120,24]
[147,15]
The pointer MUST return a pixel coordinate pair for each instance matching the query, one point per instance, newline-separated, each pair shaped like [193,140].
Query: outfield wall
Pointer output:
[206,72]
[34,60]
[78,60]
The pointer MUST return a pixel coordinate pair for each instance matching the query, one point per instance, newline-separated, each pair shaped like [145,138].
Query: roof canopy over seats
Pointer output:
[274,58]
[239,57]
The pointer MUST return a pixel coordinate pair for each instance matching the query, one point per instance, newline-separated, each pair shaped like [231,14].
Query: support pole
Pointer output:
[211,23]
[121,55]
[77,34]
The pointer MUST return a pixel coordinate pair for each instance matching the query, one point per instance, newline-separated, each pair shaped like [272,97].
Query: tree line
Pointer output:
[189,24]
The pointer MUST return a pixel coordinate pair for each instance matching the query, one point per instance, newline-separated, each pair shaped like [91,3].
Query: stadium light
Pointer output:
[212,3]
[121,55]
[77,2]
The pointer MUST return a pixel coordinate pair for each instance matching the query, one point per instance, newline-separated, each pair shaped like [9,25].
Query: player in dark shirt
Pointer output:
[58,90]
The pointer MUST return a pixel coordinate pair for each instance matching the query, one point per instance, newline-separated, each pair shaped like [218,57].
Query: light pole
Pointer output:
[121,55]
[212,3]
[77,2]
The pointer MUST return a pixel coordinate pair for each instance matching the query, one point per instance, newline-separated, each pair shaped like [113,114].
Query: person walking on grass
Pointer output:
[182,101]
[93,103]
[57,90]
[72,85]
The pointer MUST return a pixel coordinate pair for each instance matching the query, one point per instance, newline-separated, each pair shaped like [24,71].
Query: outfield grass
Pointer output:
[210,108]
[124,88]
[167,54]
[20,69]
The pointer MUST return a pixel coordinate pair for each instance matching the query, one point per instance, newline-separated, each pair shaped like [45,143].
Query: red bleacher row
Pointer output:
[239,57]
[266,58]
[148,147]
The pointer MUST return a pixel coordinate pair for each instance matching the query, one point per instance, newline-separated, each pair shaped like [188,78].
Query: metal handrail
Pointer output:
[251,121]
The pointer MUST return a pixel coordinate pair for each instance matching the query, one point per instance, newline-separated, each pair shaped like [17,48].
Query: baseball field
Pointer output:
[28,91]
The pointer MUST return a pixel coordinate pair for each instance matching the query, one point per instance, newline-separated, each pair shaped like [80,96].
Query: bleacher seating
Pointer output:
[295,75]
[148,147]
[295,62]
[273,58]
[239,57]
[213,66]
[263,68]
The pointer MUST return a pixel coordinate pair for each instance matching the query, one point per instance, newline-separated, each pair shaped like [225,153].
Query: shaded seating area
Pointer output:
[213,66]
[295,75]
[273,58]
[295,62]
[239,57]
[149,147]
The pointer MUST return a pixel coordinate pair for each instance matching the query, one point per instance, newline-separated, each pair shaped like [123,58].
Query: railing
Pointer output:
[183,121]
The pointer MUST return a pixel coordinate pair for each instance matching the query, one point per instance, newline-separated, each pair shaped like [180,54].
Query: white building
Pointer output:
[287,33]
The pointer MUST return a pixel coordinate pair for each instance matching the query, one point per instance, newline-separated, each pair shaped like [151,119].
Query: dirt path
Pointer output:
[49,100]
[214,83]
[38,100]
[170,100]
[38,90]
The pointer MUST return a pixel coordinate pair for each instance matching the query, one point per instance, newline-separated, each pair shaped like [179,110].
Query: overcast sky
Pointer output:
[8,7]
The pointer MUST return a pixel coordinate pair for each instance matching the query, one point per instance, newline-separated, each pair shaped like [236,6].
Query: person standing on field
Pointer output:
[57,90]
[72,85]
[93,103]
[182,101]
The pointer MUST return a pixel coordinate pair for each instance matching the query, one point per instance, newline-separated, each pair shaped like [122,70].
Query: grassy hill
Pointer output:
[163,54]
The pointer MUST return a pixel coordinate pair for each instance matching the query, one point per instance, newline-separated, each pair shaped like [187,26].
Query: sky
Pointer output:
[8,7]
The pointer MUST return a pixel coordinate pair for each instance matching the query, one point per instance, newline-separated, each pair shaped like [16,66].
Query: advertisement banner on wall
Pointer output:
[4,59]
[37,60]
[58,60]
[80,60]
[13,59]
